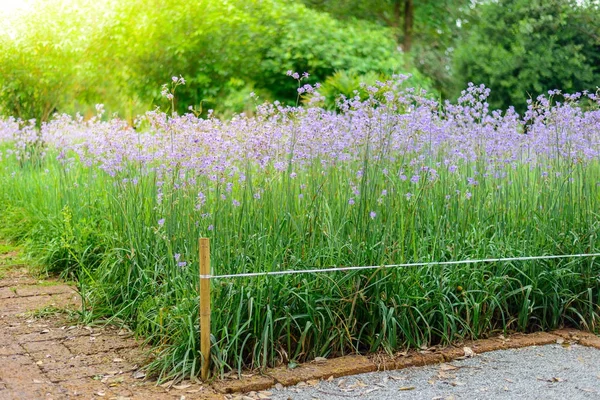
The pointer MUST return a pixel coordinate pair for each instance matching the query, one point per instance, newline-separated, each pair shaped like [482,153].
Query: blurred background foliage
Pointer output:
[68,55]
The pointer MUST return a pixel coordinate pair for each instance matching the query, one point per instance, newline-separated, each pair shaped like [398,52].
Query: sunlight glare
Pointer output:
[8,6]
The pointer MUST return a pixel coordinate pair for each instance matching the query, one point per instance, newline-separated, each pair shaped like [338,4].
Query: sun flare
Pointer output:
[9,6]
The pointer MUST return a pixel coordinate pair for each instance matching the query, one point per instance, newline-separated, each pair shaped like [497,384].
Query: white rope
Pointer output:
[421,264]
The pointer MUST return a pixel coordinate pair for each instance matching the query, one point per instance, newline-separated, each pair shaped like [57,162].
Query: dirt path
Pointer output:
[44,354]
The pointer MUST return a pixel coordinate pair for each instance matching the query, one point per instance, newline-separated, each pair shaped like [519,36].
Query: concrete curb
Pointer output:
[357,364]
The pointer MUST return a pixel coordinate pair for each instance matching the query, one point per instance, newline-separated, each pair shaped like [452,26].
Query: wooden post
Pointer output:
[205,305]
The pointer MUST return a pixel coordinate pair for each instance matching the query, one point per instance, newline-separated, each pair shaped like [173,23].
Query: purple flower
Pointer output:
[351,201]
[181,264]
[372,214]
[161,222]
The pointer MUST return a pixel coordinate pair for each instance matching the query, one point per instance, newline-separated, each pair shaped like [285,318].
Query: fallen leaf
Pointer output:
[560,341]
[139,375]
[320,359]
[448,367]
[407,388]
[118,360]
[181,387]
[278,386]
[45,331]
[313,382]
[445,375]
[167,384]
[100,393]
[468,352]
[330,378]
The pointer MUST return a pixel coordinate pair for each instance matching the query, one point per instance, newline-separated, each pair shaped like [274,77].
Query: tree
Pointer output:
[522,48]
[42,66]
[427,30]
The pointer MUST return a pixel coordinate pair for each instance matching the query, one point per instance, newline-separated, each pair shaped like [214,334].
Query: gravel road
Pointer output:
[557,371]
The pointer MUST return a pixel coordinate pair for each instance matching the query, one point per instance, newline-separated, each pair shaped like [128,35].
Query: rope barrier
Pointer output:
[421,264]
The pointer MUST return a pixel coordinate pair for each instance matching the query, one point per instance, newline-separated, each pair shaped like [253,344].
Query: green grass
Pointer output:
[51,311]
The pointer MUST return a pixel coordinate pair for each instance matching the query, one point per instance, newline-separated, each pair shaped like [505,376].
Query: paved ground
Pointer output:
[544,372]
[44,354]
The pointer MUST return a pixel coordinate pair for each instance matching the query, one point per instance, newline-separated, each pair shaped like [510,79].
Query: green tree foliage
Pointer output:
[64,57]
[40,64]
[522,48]
[426,30]
[224,47]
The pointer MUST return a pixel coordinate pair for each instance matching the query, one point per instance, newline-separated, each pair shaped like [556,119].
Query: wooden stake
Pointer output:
[205,305]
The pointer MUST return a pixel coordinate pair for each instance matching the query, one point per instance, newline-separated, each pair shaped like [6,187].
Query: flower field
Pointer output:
[393,178]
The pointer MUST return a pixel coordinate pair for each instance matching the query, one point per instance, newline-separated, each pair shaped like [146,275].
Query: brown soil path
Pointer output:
[44,354]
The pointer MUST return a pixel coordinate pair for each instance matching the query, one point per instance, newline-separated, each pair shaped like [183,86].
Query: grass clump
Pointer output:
[391,178]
